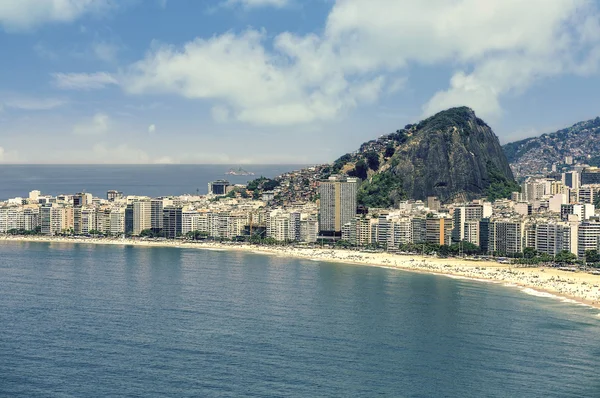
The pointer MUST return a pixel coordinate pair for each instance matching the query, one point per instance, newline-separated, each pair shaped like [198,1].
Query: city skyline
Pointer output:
[280,81]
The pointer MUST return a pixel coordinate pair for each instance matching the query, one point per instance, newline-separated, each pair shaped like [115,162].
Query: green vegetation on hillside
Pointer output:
[360,170]
[383,190]
[500,187]
[458,117]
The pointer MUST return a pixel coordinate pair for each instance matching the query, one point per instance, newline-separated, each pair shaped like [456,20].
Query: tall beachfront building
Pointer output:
[337,204]
[156,214]
[172,219]
[142,216]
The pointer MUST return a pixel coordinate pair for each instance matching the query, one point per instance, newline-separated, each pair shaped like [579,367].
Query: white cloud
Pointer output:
[99,124]
[28,14]
[257,3]
[220,114]
[106,52]
[32,104]
[295,83]
[83,81]
[166,160]
[497,47]
[152,128]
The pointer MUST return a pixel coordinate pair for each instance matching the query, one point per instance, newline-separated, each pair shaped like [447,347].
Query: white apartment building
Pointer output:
[142,216]
[552,237]
[588,237]
[116,221]
[309,228]
[463,214]
[189,221]
[400,232]
[88,220]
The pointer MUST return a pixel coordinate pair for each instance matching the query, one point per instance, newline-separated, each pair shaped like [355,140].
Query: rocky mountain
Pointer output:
[452,155]
[532,155]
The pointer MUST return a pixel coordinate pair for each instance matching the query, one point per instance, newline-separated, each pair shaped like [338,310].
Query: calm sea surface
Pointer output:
[151,180]
[79,320]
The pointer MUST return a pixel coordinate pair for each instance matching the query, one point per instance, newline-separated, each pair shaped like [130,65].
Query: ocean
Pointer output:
[79,320]
[150,180]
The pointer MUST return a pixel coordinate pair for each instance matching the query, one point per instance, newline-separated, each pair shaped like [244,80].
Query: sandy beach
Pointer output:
[580,287]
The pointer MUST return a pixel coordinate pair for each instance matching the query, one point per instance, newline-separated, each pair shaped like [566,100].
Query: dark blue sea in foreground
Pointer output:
[151,180]
[79,320]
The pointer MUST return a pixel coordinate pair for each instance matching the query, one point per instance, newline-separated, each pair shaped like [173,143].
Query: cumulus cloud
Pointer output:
[99,124]
[496,48]
[152,128]
[83,81]
[293,84]
[28,14]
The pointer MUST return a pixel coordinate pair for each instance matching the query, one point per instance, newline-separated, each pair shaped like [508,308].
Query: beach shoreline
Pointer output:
[573,287]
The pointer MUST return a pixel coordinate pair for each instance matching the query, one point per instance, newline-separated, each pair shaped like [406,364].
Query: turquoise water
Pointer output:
[80,320]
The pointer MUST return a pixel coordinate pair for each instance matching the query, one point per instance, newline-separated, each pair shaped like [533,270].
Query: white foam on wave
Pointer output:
[456,276]
[509,285]
[571,301]
[536,293]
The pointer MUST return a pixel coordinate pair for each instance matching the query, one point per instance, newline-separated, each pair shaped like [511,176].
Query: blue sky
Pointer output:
[281,81]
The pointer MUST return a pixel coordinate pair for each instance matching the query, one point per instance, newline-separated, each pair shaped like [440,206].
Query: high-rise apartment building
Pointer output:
[552,237]
[116,221]
[462,214]
[218,187]
[438,230]
[113,195]
[172,222]
[128,219]
[586,194]
[583,211]
[506,237]
[337,204]
[571,180]
[588,237]
[142,213]
[590,175]
[418,229]
[156,214]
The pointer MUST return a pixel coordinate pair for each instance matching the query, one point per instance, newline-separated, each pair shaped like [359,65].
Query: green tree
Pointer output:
[372,160]
[592,256]
[529,252]
[566,257]
[389,151]
[360,170]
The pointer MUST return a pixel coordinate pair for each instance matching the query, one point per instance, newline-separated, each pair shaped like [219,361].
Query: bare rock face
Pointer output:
[452,155]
